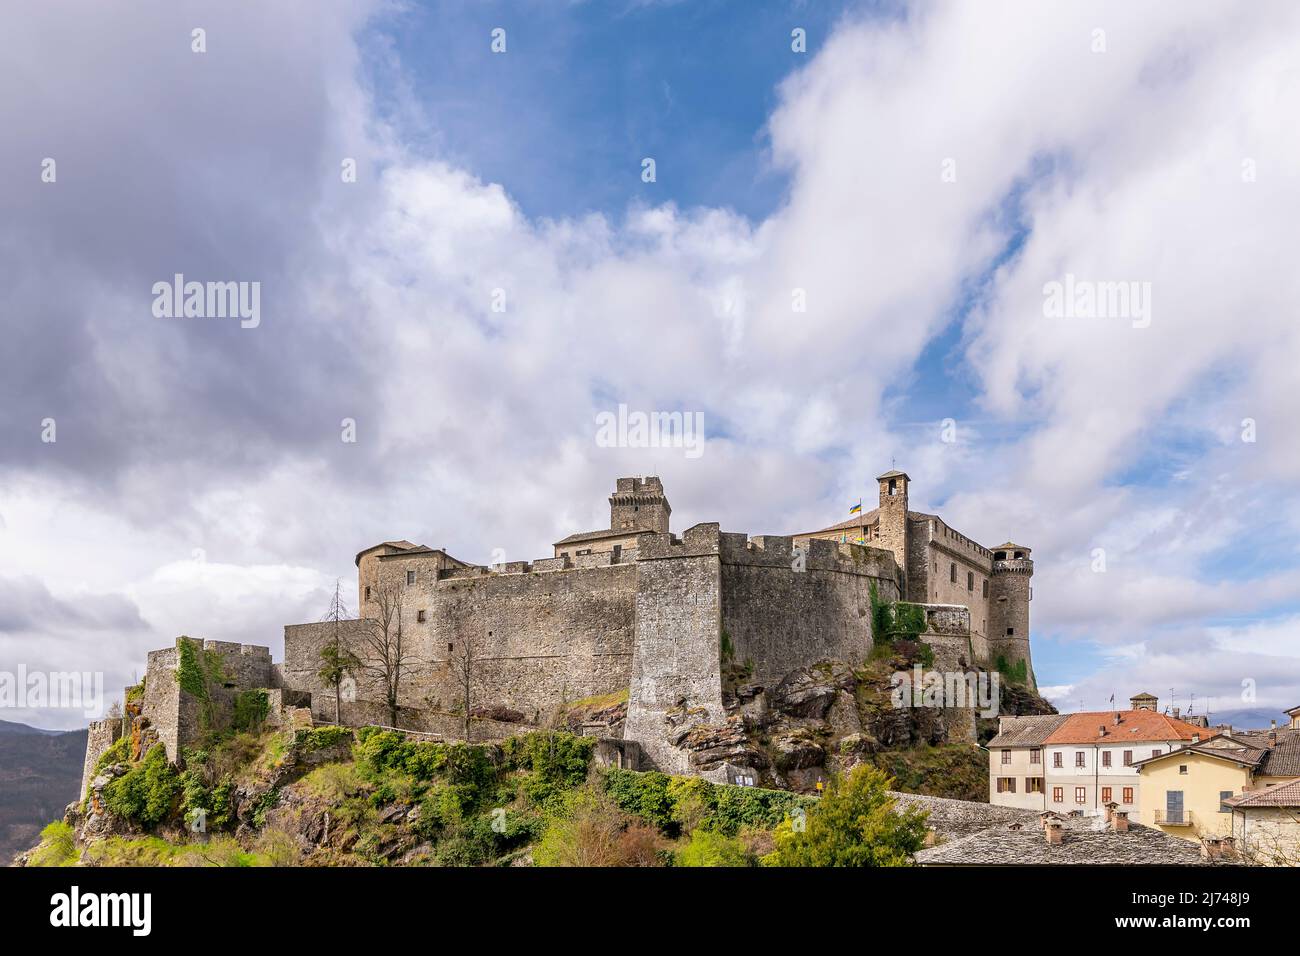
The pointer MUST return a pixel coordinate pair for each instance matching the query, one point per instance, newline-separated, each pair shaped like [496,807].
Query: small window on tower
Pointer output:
[893,485]
[952,573]
[986,587]
[419,616]
[970,580]
[1011,632]
[410,577]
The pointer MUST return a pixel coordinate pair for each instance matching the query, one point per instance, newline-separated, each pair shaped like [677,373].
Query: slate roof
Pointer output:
[404,545]
[953,819]
[1030,731]
[596,536]
[1086,841]
[1278,795]
[1246,754]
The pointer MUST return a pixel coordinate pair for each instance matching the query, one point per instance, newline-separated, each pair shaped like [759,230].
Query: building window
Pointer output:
[952,573]
[1156,752]
[1035,755]
[1056,759]
[1011,632]
[1224,795]
[419,616]
[1105,758]
[970,580]
[1080,794]
[450,648]
[986,587]
[1105,794]
[1057,795]
[1128,794]
[1006,756]
[1182,768]
[410,577]
[1080,758]
[1128,758]
[367,592]
[1006,784]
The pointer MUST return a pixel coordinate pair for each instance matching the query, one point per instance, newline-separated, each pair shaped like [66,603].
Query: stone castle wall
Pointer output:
[779,619]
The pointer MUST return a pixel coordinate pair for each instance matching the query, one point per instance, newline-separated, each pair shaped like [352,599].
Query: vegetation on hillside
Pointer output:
[533,799]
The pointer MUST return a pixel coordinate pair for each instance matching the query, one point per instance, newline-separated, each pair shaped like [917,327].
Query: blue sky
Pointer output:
[587,90]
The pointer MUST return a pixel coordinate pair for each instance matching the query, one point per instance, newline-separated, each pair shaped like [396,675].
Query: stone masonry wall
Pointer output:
[780,619]
[675,662]
[102,735]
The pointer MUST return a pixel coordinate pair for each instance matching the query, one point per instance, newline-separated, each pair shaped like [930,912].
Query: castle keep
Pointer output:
[690,630]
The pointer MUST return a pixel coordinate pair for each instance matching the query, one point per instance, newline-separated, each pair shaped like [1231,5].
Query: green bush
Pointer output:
[646,795]
[58,846]
[710,848]
[251,708]
[854,824]
[147,793]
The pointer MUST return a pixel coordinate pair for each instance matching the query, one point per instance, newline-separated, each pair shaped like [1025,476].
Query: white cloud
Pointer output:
[476,427]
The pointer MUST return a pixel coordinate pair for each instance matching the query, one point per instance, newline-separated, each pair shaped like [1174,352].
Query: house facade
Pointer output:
[1081,761]
[1190,791]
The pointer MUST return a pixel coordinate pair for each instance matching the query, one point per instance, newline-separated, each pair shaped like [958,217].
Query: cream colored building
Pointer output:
[1190,791]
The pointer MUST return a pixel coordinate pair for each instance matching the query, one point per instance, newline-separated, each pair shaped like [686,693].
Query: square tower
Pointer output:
[638,504]
[893,518]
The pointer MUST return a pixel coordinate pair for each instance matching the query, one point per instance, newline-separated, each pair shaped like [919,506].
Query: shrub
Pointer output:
[710,848]
[58,846]
[597,833]
[644,794]
[147,792]
[854,824]
[251,708]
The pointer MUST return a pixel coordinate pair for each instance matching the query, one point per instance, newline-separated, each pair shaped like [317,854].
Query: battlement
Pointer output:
[638,486]
[1013,566]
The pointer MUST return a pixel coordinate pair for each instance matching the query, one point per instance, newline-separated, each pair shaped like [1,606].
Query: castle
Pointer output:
[689,630]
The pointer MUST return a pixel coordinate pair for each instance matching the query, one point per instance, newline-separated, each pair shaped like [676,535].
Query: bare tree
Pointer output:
[336,661]
[463,663]
[383,653]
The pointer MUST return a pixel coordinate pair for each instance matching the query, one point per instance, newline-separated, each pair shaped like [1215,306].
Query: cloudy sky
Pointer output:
[918,176]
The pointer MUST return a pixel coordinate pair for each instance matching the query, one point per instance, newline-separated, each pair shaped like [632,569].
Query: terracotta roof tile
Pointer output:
[1136,726]
[1278,795]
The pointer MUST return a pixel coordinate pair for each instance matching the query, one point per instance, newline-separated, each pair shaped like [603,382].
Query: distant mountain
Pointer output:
[9,727]
[40,774]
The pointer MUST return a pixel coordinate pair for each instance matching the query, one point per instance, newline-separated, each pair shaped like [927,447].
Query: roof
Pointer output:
[1136,726]
[1283,760]
[1010,546]
[1222,747]
[1031,731]
[1085,840]
[1292,712]
[857,521]
[953,819]
[598,535]
[402,545]
[1144,696]
[893,473]
[1278,795]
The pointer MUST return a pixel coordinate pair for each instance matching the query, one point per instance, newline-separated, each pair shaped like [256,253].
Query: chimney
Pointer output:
[1119,821]
[1101,731]
[1118,719]
[1211,847]
[1055,832]
[1196,738]
[1272,733]
[1177,712]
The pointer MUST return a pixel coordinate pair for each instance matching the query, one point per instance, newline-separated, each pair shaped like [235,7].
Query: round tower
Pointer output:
[1010,592]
